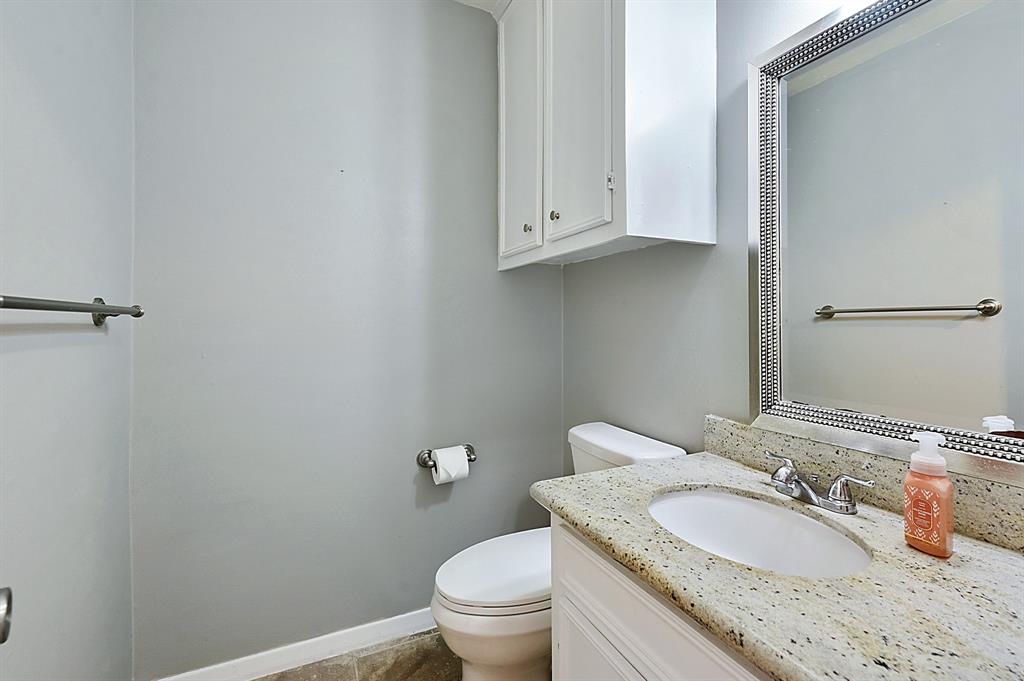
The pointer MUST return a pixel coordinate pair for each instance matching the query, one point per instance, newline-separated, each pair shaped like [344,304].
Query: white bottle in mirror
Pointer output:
[997,424]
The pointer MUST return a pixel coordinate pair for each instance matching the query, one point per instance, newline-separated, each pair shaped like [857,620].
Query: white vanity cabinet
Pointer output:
[608,625]
[606,127]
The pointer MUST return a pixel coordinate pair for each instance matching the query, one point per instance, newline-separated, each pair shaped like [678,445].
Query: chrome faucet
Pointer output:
[839,499]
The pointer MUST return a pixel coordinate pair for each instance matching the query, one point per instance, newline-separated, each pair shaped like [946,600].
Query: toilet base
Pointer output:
[537,670]
[514,647]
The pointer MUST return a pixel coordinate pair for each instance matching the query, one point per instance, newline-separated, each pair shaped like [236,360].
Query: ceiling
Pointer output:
[485,5]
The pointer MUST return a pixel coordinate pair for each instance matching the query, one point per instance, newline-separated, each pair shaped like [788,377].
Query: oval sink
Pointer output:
[758,533]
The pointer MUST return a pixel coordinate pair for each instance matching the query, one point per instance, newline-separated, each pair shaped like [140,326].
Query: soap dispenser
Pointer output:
[928,499]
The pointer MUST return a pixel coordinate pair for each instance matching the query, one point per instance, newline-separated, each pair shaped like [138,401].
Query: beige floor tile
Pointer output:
[341,668]
[424,658]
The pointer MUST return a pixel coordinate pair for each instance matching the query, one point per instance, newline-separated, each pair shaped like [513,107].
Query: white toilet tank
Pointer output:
[596,446]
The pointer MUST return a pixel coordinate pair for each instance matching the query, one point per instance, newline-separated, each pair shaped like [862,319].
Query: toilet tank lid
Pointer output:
[617,446]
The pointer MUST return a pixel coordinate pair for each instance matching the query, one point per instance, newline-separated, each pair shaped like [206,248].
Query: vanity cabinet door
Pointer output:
[520,91]
[584,654]
[641,627]
[578,125]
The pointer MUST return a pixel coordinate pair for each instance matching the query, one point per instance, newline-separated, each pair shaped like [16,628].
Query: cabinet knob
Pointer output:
[555,215]
[527,228]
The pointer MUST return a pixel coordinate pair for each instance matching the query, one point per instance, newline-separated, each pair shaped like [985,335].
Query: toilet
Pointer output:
[492,601]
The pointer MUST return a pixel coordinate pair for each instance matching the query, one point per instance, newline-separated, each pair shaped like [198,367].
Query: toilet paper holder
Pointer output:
[425,459]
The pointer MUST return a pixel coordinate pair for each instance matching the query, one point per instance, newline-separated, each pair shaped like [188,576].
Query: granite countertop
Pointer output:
[907,616]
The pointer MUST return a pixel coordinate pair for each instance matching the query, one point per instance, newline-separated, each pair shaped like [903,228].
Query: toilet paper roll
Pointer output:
[451,465]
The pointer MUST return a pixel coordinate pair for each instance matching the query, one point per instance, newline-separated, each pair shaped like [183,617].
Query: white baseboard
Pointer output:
[312,650]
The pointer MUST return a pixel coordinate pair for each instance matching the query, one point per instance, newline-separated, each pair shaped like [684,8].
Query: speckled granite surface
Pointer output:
[907,616]
[987,510]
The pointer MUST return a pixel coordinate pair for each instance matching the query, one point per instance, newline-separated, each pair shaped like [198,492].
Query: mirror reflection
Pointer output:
[903,185]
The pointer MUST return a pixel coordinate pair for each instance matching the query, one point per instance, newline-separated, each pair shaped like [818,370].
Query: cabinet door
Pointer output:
[520,93]
[578,120]
[650,633]
[583,653]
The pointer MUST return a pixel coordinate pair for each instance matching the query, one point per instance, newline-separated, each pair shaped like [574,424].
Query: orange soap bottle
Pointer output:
[928,499]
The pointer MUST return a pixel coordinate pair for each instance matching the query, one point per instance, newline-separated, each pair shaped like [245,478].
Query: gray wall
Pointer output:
[316,249]
[65,230]
[656,338]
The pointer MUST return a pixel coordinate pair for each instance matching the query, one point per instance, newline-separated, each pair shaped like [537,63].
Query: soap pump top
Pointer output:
[926,459]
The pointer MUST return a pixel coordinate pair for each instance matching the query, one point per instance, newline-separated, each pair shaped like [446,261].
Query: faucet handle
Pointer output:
[840,489]
[784,460]
[784,474]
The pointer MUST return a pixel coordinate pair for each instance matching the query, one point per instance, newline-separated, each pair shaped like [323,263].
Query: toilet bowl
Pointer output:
[492,605]
[507,647]
[492,601]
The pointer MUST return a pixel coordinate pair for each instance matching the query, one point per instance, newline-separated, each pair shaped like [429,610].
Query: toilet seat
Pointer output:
[507,575]
[492,610]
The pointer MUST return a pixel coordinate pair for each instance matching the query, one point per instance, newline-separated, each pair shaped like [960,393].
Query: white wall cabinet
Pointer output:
[609,625]
[606,127]
[520,126]
[578,116]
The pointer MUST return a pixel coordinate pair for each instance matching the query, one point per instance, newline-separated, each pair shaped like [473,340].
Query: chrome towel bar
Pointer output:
[989,307]
[97,308]
[425,458]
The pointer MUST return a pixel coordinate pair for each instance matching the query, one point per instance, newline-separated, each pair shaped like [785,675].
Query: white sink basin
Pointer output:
[758,533]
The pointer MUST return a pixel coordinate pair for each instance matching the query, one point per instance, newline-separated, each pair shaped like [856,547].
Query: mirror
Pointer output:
[890,174]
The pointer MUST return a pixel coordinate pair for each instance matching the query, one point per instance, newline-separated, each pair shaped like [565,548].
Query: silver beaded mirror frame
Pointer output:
[983,455]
